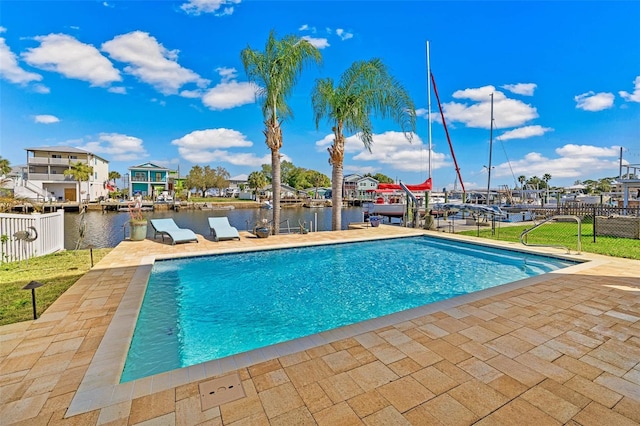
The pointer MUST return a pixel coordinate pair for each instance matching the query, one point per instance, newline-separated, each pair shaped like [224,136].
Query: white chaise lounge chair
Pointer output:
[221,229]
[169,227]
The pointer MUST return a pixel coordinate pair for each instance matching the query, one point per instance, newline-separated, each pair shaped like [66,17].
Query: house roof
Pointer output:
[352,178]
[148,166]
[66,149]
[368,178]
[239,178]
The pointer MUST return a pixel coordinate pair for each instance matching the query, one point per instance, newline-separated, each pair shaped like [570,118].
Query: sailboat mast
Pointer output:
[490,154]
[429,104]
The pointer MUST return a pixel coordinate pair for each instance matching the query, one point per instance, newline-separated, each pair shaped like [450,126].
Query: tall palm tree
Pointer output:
[80,172]
[276,71]
[364,89]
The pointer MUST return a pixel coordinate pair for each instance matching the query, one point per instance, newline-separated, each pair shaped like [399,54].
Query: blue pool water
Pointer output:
[203,308]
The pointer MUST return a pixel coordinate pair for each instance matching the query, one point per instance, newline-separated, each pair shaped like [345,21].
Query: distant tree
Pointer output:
[287,171]
[521,180]
[318,180]
[80,172]
[604,185]
[276,70]
[546,178]
[5,167]
[380,177]
[365,88]
[195,180]
[256,181]
[216,178]
[266,171]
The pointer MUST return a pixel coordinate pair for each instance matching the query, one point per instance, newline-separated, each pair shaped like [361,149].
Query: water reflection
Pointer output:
[108,229]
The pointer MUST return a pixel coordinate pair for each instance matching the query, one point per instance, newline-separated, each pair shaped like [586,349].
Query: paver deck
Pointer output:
[563,348]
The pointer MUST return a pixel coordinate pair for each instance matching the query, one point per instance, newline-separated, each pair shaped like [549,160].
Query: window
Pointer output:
[56,156]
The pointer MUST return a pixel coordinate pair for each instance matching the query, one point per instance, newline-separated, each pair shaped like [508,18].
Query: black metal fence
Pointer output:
[605,230]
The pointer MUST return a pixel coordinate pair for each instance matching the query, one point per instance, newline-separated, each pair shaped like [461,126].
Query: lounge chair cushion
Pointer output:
[221,229]
[170,228]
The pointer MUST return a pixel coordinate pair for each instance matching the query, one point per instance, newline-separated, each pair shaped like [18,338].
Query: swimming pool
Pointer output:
[203,308]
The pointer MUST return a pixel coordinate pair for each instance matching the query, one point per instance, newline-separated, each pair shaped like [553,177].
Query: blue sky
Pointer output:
[162,81]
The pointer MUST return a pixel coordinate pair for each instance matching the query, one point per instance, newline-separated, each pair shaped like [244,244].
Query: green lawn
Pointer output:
[57,272]
[565,234]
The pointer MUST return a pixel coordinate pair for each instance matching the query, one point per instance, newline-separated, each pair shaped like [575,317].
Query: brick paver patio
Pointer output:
[559,349]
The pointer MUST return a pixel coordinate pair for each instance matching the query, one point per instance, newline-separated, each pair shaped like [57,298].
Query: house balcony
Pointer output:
[137,179]
[54,161]
[49,177]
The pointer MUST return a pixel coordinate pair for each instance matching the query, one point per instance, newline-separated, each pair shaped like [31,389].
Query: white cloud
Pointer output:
[592,101]
[151,62]
[203,146]
[196,7]
[9,68]
[303,27]
[3,29]
[320,42]
[506,112]
[64,54]
[524,133]
[525,89]
[119,90]
[572,161]
[422,112]
[191,94]
[390,149]
[227,73]
[46,119]
[41,88]
[635,96]
[119,147]
[344,35]
[229,93]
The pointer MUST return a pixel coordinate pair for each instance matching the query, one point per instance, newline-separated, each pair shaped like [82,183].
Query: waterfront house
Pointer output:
[350,186]
[365,187]
[148,180]
[45,179]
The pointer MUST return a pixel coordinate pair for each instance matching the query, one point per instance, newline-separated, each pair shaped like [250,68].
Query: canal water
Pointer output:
[103,230]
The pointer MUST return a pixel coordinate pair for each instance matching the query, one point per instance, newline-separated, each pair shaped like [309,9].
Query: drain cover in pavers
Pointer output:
[220,391]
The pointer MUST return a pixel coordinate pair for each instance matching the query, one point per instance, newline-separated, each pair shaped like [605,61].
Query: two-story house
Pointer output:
[45,176]
[365,187]
[350,186]
[148,180]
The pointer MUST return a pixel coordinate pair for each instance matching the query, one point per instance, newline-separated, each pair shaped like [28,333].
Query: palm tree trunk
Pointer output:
[336,202]
[336,156]
[275,188]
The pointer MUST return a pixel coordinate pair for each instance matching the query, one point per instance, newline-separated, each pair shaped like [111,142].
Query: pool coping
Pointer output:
[101,385]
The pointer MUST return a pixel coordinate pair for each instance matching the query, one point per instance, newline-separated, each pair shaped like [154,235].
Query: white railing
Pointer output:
[49,228]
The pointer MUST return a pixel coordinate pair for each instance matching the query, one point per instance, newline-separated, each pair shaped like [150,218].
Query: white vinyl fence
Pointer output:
[23,236]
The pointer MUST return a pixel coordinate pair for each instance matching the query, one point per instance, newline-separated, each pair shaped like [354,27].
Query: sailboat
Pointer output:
[393,199]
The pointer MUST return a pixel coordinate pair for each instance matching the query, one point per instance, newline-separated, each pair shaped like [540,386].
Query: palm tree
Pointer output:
[113,176]
[277,70]
[5,167]
[256,180]
[80,172]
[365,88]
[522,179]
[546,178]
